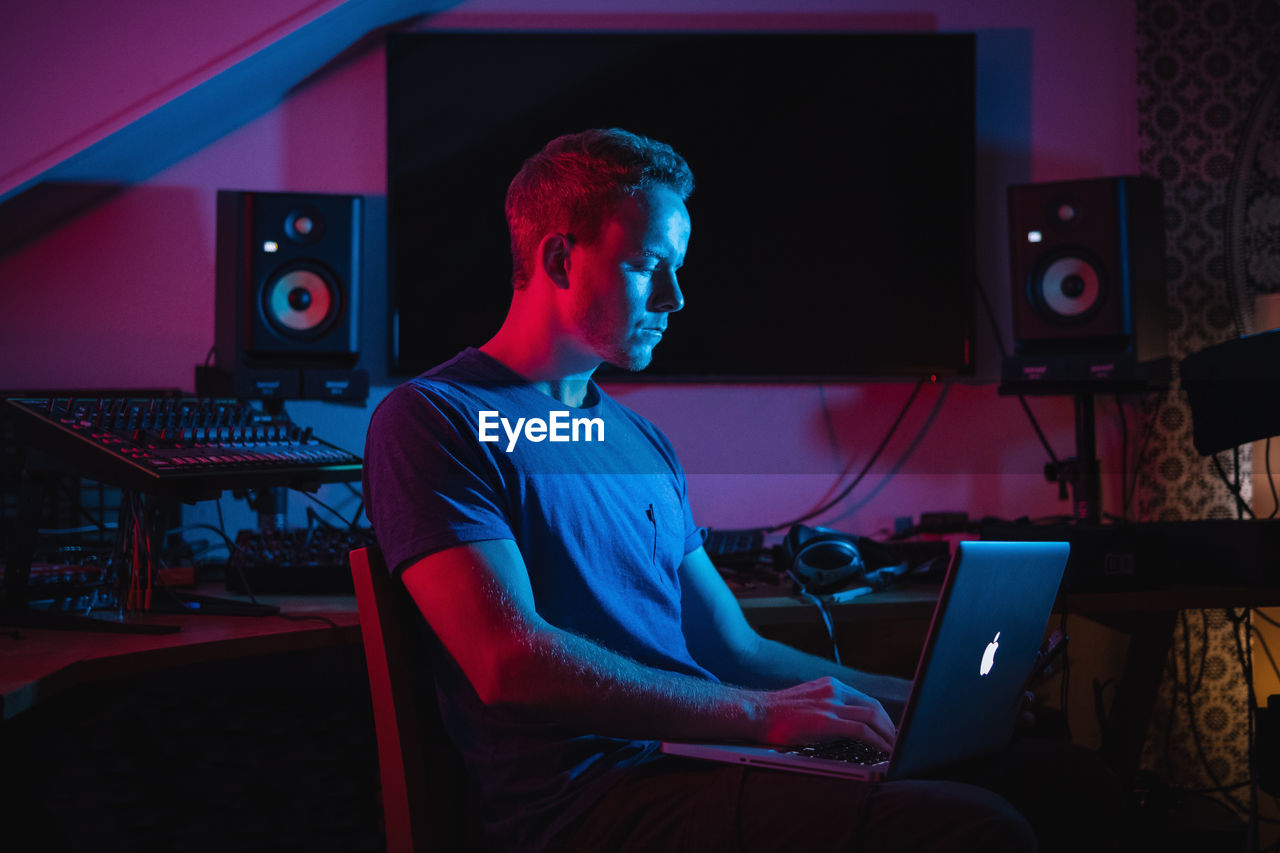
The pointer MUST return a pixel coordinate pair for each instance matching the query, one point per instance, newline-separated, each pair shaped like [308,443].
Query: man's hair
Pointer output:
[573,182]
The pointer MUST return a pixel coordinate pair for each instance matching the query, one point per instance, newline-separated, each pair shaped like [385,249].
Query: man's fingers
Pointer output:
[873,716]
[873,720]
[873,737]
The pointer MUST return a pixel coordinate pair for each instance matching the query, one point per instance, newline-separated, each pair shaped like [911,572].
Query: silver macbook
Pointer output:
[982,643]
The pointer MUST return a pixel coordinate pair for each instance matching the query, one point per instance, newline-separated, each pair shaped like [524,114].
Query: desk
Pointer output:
[36,664]
[904,602]
[882,631]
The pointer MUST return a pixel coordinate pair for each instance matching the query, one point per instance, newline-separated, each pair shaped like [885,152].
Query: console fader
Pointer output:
[185,447]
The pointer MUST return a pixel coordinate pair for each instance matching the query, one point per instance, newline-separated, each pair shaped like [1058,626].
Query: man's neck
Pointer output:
[551,372]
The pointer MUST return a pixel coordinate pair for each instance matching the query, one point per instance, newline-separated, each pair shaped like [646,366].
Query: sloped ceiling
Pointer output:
[99,96]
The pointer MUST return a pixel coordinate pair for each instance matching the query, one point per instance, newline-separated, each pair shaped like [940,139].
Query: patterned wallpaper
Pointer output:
[1210,129]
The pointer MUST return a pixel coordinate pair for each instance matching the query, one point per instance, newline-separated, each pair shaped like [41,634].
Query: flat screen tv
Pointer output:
[833,218]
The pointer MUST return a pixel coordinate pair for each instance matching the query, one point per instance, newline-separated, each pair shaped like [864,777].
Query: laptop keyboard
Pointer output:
[851,751]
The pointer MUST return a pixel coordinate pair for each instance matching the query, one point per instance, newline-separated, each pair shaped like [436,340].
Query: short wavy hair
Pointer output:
[571,184]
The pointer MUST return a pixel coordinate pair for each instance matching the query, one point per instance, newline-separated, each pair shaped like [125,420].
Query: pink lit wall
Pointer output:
[123,294]
[75,71]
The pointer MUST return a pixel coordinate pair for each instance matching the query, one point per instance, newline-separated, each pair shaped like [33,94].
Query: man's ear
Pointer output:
[553,255]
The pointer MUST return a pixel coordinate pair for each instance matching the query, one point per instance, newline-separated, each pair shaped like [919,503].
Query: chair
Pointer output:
[423,804]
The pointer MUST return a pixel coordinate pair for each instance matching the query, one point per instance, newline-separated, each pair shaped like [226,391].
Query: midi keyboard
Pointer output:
[185,447]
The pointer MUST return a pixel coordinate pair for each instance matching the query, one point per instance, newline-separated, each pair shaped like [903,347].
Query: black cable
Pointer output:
[112,570]
[1204,652]
[865,468]
[822,611]
[1238,491]
[350,525]
[1175,691]
[1191,713]
[1242,508]
[1035,424]
[995,332]
[231,558]
[991,317]
[1099,709]
[833,438]
[314,522]
[1141,455]
[1195,729]
[1228,787]
[1244,651]
[221,532]
[1271,481]
[1124,460]
[79,507]
[303,617]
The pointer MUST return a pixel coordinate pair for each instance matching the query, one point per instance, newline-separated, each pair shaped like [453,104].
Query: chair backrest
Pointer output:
[422,800]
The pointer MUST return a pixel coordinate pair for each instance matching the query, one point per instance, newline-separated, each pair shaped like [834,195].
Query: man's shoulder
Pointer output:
[467,375]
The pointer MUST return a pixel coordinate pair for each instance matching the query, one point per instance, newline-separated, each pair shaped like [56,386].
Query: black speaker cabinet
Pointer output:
[288,279]
[1087,259]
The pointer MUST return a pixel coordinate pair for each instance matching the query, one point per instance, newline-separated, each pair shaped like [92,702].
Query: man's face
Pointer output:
[623,283]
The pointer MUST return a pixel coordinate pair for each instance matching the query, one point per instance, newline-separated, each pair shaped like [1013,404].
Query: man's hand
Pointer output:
[822,710]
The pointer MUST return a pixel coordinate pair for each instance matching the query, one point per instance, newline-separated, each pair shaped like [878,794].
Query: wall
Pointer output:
[123,294]
[1208,74]
[76,71]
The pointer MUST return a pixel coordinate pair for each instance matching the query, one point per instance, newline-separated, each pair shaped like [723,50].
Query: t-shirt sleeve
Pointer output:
[427,486]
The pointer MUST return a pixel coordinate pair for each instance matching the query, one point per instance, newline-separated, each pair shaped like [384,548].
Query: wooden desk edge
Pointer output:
[907,602]
[281,635]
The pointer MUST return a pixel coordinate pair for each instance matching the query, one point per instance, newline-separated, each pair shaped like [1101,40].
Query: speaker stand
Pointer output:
[1076,374]
[1080,473]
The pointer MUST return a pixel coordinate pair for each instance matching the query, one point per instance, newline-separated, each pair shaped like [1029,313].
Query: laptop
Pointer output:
[986,631]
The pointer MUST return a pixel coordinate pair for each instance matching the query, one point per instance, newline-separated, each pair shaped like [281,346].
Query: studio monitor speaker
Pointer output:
[288,280]
[1087,259]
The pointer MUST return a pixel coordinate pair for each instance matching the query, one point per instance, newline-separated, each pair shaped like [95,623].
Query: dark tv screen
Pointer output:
[833,232]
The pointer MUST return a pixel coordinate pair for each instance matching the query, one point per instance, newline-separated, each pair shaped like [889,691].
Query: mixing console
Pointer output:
[185,447]
[288,561]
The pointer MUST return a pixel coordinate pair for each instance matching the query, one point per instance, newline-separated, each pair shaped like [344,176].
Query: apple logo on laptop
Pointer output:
[989,656]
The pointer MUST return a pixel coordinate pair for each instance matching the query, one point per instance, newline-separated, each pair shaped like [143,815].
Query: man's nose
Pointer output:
[666,296]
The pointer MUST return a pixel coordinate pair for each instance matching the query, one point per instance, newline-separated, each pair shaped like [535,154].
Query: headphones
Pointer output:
[820,559]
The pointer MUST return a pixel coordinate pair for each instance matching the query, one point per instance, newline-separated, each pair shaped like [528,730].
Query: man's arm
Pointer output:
[478,600]
[721,639]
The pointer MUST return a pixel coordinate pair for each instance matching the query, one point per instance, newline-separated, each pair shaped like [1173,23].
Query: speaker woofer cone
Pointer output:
[1067,287]
[300,302]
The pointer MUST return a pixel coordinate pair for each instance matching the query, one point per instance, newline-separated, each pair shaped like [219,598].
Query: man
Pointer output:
[544,532]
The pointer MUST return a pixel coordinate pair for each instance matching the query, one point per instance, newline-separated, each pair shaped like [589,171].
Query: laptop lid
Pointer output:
[968,687]
[981,646]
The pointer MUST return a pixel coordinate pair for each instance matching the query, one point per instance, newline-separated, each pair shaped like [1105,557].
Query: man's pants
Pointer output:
[1070,798]
[685,805]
